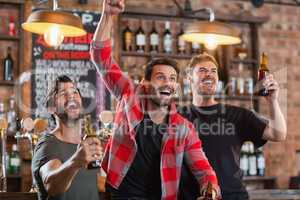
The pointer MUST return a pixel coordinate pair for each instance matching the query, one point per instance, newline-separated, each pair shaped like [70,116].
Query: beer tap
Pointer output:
[106,117]
[89,131]
[26,127]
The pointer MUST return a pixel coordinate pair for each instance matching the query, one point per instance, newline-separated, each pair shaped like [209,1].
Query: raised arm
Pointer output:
[116,81]
[276,129]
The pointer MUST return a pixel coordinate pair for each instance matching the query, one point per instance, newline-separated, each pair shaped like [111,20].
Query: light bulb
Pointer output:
[53,36]
[210,42]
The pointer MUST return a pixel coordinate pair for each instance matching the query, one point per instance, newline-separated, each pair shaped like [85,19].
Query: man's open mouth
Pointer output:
[71,105]
[165,93]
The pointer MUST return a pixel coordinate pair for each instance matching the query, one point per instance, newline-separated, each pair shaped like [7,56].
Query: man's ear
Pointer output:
[51,109]
[145,83]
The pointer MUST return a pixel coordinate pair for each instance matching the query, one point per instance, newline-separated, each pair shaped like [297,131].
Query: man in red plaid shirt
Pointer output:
[143,159]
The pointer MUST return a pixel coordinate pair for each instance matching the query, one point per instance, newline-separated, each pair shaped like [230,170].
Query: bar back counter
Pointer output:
[254,195]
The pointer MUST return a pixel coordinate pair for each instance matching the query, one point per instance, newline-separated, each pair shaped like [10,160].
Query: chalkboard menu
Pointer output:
[71,58]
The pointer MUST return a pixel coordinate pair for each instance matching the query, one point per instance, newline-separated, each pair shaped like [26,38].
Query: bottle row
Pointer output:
[157,41]
[9,113]
[252,162]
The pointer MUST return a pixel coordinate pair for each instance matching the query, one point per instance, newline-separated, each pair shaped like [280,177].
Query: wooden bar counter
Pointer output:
[274,195]
[254,195]
[18,196]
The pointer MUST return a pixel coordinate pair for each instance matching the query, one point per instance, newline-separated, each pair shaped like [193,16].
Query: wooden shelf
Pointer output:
[8,37]
[172,15]
[12,1]
[7,83]
[226,98]
[150,55]
[247,61]
[238,98]
[259,178]
[18,195]
[14,176]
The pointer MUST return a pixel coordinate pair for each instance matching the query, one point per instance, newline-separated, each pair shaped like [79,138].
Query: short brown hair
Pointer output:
[160,61]
[204,57]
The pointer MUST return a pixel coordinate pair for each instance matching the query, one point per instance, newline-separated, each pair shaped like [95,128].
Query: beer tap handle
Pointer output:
[3,178]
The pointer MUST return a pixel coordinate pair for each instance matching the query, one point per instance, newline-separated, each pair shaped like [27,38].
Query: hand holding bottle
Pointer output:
[88,151]
[209,193]
[272,87]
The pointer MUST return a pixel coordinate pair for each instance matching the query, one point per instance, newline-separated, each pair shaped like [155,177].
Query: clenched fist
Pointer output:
[113,7]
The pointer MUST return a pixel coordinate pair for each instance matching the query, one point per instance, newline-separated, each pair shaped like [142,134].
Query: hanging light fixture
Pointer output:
[211,33]
[54,25]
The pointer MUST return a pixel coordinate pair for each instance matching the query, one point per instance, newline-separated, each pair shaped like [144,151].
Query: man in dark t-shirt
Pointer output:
[61,157]
[223,128]
[145,182]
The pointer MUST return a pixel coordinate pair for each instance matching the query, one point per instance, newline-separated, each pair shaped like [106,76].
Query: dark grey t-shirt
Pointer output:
[222,129]
[84,184]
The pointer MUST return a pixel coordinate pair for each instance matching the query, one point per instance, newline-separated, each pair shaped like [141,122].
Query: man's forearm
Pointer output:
[103,31]
[58,177]
[277,123]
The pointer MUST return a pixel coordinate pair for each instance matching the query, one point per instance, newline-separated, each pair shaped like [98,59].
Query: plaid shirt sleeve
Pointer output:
[198,163]
[115,80]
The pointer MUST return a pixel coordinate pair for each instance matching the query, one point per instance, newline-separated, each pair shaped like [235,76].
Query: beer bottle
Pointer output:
[262,72]
[208,193]
[90,132]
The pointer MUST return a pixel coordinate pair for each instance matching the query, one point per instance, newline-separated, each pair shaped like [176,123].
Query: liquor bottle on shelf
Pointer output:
[14,161]
[11,26]
[252,160]
[260,162]
[262,73]
[2,111]
[11,117]
[180,42]
[154,39]
[244,160]
[127,39]
[249,86]
[140,39]
[8,66]
[167,39]
[240,80]
[232,86]
[186,86]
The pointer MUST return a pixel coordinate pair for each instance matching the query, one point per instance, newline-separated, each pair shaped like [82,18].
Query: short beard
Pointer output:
[67,121]
[205,95]
[155,100]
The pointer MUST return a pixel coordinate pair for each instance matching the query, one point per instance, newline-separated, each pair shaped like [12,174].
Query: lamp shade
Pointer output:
[40,21]
[223,34]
